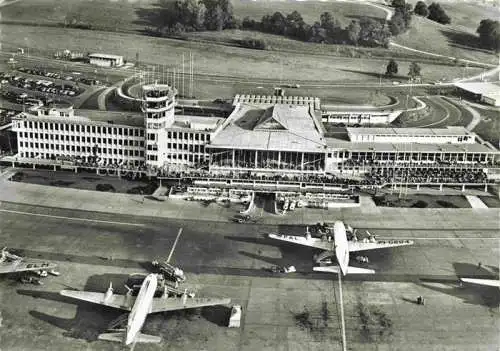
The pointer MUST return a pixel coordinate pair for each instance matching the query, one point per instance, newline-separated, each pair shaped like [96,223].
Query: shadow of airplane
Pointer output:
[91,319]
[90,260]
[469,293]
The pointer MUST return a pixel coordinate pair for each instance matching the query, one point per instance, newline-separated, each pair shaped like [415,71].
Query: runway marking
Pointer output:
[439,238]
[73,218]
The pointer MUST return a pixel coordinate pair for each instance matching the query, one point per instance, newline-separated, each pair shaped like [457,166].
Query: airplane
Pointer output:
[168,270]
[139,307]
[11,263]
[340,247]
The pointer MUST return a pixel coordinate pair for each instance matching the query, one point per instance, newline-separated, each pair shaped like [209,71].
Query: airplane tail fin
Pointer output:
[350,270]
[145,338]
[140,338]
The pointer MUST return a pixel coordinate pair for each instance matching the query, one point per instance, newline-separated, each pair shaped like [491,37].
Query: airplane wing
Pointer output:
[487,282]
[123,302]
[301,240]
[161,304]
[25,266]
[379,244]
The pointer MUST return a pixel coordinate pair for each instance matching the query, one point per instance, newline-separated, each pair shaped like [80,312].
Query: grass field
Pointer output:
[310,10]
[489,130]
[104,14]
[445,40]
[468,15]
[131,15]
[212,58]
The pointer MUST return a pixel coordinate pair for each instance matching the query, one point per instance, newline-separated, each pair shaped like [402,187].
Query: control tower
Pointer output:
[158,108]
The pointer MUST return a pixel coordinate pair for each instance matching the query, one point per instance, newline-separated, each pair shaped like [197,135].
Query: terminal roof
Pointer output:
[449,131]
[337,144]
[279,127]
[131,119]
[480,88]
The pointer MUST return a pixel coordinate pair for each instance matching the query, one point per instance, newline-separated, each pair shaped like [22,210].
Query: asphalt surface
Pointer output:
[228,259]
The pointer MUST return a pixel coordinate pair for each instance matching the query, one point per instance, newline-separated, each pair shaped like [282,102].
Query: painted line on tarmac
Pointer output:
[72,218]
[438,238]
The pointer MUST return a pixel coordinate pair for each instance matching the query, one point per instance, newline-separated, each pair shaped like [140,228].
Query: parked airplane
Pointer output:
[10,263]
[340,247]
[168,270]
[140,306]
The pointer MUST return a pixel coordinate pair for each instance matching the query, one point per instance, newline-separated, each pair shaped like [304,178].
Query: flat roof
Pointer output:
[448,131]
[197,122]
[406,147]
[481,88]
[106,56]
[279,127]
[131,119]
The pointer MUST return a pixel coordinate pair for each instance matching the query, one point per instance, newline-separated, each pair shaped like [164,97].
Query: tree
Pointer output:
[392,68]
[353,31]
[372,32]
[397,25]
[401,20]
[398,3]
[489,34]
[437,14]
[421,9]
[330,25]
[277,23]
[318,33]
[414,70]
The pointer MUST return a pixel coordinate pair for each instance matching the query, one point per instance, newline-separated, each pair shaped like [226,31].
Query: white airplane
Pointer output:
[10,263]
[140,306]
[340,248]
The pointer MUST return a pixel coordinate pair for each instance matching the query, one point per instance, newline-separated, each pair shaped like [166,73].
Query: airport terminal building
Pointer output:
[267,138]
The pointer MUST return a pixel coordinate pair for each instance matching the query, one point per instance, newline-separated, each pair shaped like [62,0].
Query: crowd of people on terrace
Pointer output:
[381,176]
[349,164]
[378,175]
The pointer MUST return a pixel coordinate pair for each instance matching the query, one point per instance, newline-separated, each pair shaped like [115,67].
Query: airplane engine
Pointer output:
[109,292]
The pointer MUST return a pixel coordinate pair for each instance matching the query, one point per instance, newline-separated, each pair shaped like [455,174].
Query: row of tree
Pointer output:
[365,32]
[413,72]
[198,15]
[195,15]
[434,12]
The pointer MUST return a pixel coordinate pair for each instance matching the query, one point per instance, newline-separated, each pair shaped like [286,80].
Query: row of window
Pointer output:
[77,148]
[190,158]
[77,138]
[138,132]
[188,136]
[186,147]
[53,156]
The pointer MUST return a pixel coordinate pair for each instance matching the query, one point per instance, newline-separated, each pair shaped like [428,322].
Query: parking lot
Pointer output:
[21,81]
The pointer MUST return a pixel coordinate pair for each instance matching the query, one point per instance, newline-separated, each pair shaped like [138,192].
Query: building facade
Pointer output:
[256,139]
[51,133]
[106,60]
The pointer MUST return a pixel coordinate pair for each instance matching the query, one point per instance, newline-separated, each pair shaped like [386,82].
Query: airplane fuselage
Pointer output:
[341,246]
[141,308]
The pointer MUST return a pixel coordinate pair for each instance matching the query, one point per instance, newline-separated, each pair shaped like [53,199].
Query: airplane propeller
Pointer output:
[129,289]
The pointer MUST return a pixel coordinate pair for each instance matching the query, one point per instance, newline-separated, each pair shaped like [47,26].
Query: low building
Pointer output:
[488,93]
[106,60]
